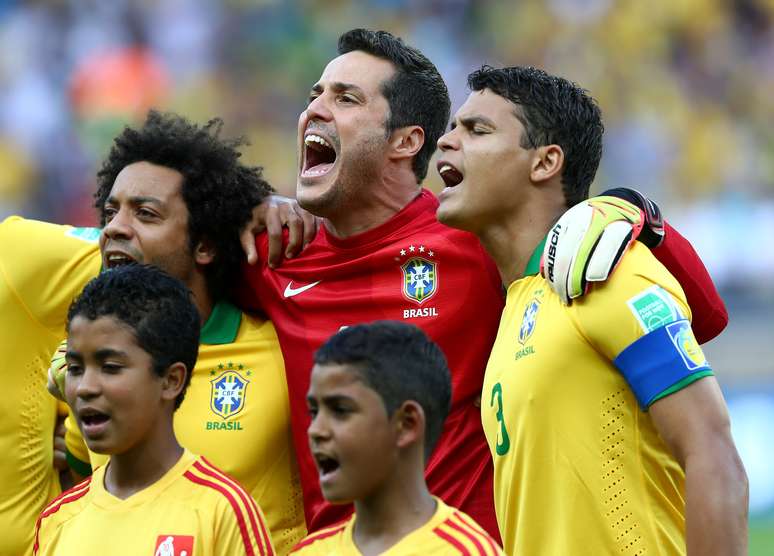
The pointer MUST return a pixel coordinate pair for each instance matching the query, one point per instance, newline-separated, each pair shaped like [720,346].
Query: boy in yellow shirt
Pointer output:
[133,337]
[378,397]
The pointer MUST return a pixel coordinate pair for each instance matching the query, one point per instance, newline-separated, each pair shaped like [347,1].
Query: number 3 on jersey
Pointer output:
[503,442]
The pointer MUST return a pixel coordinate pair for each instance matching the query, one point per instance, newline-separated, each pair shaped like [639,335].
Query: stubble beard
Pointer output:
[359,170]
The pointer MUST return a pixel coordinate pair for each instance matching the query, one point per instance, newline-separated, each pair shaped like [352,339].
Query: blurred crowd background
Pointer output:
[686,89]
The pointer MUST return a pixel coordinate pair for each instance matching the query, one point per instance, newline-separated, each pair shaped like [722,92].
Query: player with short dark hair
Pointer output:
[133,338]
[159,313]
[555,118]
[416,94]
[381,254]
[399,363]
[378,397]
[607,428]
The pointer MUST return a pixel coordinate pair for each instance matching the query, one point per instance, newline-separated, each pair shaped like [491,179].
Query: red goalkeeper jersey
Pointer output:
[411,269]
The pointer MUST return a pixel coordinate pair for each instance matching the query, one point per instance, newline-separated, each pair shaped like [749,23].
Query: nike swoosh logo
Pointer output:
[290,291]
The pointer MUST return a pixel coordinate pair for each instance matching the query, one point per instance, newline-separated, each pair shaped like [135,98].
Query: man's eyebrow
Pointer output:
[340,86]
[470,121]
[138,200]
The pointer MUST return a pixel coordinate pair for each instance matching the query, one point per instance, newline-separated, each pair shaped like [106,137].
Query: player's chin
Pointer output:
[336,495]
[336,489]
[452,215]
[314,197]
[104,446]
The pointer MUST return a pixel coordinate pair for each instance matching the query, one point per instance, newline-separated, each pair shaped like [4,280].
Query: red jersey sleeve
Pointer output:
[677,254]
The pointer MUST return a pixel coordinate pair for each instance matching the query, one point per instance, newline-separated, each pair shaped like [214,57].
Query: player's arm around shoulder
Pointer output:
[640,320]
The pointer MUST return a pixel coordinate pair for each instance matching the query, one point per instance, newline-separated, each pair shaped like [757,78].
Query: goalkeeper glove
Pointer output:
[587,242]
[56,372]
[652,234]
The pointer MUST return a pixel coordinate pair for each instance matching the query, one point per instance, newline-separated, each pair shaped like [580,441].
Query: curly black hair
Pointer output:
[218,189]
[416,94]
[399,362]
[554,111]
[158,308]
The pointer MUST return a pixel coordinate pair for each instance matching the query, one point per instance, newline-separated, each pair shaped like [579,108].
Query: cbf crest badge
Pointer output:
[528,321]
[227,396]
[420,279]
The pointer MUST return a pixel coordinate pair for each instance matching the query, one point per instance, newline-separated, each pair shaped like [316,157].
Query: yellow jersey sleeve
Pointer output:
[46,265]
[640,321]
[42,267]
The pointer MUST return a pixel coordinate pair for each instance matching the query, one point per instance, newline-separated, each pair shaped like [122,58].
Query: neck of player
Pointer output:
[395,188]
[144,463]
[400,506]
[511,239]
[204,302]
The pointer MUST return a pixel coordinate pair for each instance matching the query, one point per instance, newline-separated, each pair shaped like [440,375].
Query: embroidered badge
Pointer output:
[654,308]
[682,337]
[529,321]
[227,394]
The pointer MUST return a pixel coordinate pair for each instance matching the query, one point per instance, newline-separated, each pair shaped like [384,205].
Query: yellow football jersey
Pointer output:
[449,531]
[236,414]
[194,509]
[42,267]
[579,466]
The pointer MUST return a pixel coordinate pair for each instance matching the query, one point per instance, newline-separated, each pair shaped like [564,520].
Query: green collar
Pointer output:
[223,324]
[533,265]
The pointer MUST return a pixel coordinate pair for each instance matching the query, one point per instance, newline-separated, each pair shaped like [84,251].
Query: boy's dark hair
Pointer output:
[400,363]
[416,94]
[219,191]
[553,111]
[157,307]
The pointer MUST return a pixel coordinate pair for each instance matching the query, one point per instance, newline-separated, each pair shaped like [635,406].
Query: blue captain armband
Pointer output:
[662,362]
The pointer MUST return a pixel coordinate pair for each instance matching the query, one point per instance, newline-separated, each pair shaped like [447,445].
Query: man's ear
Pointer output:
[410,422]
[547,162]
[173,381]
[406,142]
[204,252]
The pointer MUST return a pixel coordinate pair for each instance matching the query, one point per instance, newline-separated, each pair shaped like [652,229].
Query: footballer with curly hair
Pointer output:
[174,194]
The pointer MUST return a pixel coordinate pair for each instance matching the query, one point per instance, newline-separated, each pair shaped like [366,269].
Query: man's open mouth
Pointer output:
[449,174]
[114,260]
[319,155]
